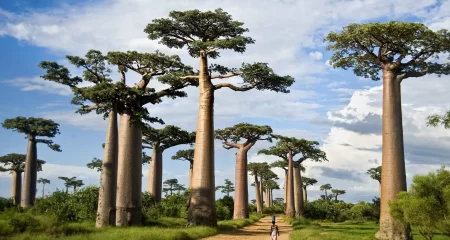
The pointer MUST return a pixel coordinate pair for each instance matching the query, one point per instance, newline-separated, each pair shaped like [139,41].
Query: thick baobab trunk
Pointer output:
[285,189]
[305,195]
[16,186]
[154,182]
[335,197]
[30,174]
[266,198]
[261,192]
[241,187]
[258,196]
[129,173]
[393,176]
[106,213]
[290,208]
[298,193]
[202,207]
[271,197]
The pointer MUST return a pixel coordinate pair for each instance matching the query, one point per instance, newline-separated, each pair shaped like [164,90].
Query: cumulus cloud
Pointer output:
[316,55]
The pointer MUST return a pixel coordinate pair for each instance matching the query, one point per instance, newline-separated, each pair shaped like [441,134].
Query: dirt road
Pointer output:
[256,231]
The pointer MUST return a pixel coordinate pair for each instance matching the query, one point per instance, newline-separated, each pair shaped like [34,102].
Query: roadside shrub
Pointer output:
[275,209]
[5,203]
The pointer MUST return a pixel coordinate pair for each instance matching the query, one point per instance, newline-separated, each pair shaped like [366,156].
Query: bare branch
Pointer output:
[410,74]
[231,145]
[232,87]
[226,75]
[122,77]
[145,146]
[89,108]
[190,76]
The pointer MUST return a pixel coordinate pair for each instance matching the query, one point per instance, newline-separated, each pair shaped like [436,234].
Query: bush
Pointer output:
[170,206]
[327,210]
[5,203]
[224,208]
[24,222]
[275,209]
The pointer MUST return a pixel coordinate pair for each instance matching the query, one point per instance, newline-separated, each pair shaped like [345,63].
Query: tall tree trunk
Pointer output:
[271,197]
[335,197]
[393,176]
[285,188]
[106,213]
[191,168]
[129,173]
[261,192]
[298,192]
[67,190]
[43,188]
[16,186]
[305,195]
[266,198]
[202,208]
[154,182]
[290,208]
[258,196]
[30,174]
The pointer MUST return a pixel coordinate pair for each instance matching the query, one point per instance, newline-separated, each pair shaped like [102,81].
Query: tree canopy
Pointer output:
[308,181]
[95,164]
[227,188]
[294,146]
[43,181]
[325,187]
[256,168]
[402,47]
[166,137]
[250,133]
[16,162]
[436,120]
[375,173]
[184,155]
[35,127]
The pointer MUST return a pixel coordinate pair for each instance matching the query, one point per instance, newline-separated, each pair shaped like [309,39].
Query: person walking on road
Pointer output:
[274,233]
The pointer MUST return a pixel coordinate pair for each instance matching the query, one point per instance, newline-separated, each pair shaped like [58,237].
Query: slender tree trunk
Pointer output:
[298,192]
[285,189]
[335,197]
[271,198]
[326,195]
[305,195]
[43,186]
[191,167]
[266,198]
[129,173]
[393,176]
[202,208]
[106,213]
[290,208]
[258,196]
[67,190]
[154,182]
[261,192]
[16,186]
[30,174]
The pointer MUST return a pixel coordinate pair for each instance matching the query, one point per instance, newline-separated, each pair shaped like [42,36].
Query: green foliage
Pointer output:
[229,225]
[227,188]
[275,209]
[249,132]
[375,173]
[16,162]
[200,31]
[256,168]
[167,137]
[308,181]
[185,155]
[170,206]
[80,206]
[435,120]
[95,164]
[369,47]
[426,206]
[364,211]
[37,127]
[5,203]
[225,208]
[307,149]
[333,211]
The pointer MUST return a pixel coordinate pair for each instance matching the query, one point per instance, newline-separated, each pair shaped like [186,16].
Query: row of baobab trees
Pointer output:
[399,50]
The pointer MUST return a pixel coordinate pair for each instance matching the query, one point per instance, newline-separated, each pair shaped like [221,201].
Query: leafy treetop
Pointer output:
[256,169]
[435,120]
[167,137]
[337,191]
[43,181]
[375,173]
[401,47]
[16,162]
[35,127]
[210,32]
[227,188]
[325,187]
[308,181]
[249,132]
[200,31]
[294,146]
[271,184]
[184,155]
[95,164]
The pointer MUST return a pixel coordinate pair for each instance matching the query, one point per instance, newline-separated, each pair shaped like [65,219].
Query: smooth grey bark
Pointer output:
[30,174]
[106,213]
[16,187]
[298,193]
[241,186]
[258,196]
[290,208]
[154,182]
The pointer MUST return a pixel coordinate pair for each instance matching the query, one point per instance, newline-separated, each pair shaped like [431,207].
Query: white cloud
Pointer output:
[316,55]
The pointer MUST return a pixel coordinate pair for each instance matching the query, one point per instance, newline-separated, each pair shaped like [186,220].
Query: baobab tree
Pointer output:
[33,128]
[110,99]
[255,170]
[307,182]
[271,184]
[76,184]
[15,163]
[95,164]
[205,34]
[243,137]
[227,188]
[265,176]
[43,181]
[159,140]
[325,188]
[179,188]
[186,155]
[283,165]
[298,189]
[399,50]
[67,182]
[336,193]
[375,174]
[287,148]
[171,184]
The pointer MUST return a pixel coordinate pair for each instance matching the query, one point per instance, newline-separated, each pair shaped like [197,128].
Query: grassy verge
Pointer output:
[349,230]
[26,226]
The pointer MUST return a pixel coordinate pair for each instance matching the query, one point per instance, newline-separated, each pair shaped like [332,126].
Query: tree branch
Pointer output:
[365,49]
[145,146]
[226,75]
[232,87]
[410,74]
[122,77]
[228,145]
[190,76]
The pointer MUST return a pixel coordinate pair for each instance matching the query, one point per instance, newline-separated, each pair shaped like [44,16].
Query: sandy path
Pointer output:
[256,231]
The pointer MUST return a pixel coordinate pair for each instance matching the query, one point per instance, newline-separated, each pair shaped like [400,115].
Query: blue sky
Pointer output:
[291,44]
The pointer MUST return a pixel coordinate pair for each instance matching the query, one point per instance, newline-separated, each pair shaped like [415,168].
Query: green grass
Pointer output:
[42,227]
[349,230]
